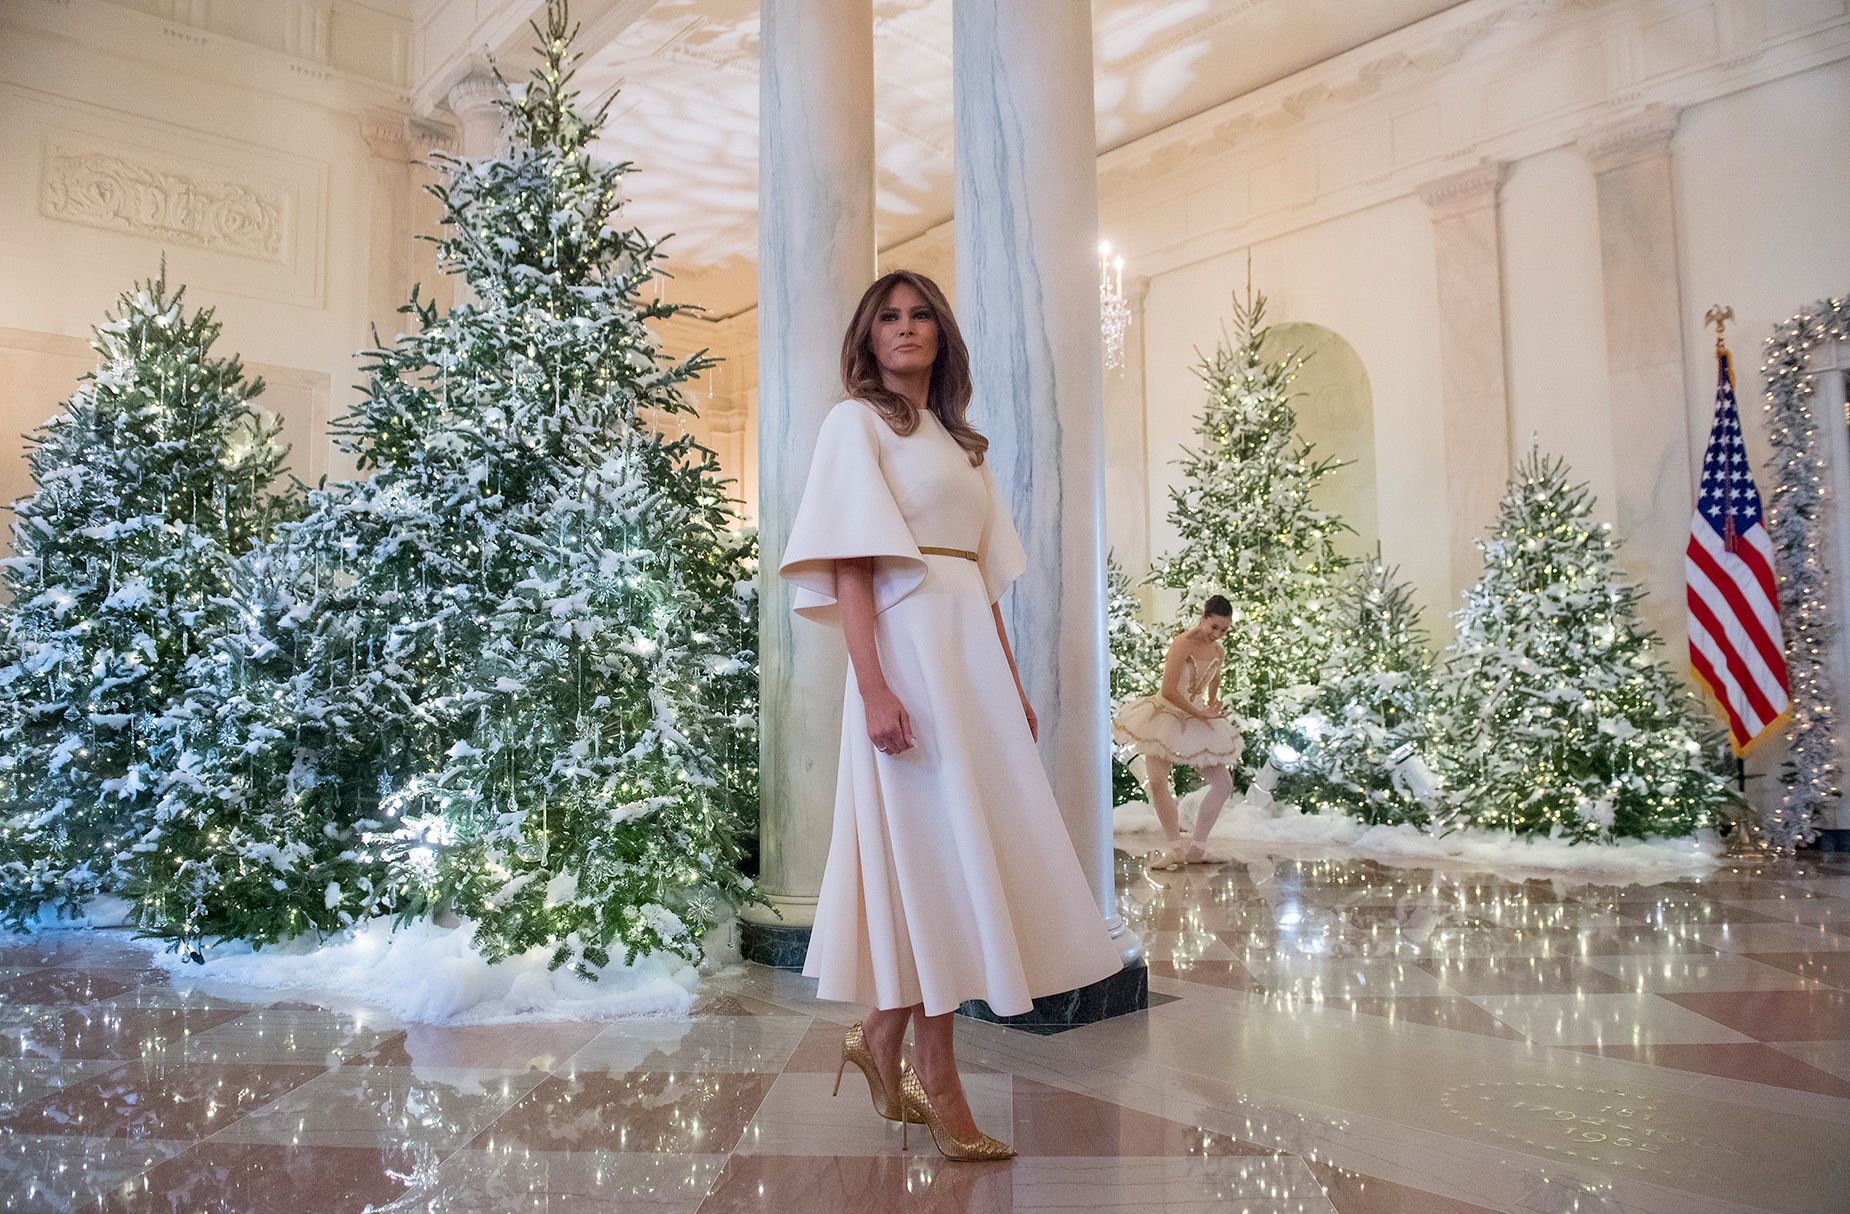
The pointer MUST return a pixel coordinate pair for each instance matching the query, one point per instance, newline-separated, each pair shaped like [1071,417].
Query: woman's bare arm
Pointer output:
[1034,724]
[888,725]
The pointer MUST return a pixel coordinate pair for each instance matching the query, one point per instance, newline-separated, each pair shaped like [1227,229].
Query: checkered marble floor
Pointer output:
[1326,1036]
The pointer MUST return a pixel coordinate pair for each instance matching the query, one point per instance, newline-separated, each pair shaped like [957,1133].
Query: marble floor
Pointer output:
[1328,1036]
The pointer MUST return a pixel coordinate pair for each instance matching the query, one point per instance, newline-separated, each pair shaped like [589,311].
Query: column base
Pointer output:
[778,945]
[1126,991]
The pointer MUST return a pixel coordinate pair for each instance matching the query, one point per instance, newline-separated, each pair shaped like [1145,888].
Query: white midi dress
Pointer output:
[950,874]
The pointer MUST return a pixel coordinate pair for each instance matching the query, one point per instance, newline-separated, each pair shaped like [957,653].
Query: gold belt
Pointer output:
[968,556]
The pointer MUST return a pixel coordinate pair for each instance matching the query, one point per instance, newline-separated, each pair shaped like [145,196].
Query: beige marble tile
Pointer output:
[719,1043]
[1186,1186]
[519,1181]
[363,1106]
[1721,972]
[800,1117]
[1570,1020]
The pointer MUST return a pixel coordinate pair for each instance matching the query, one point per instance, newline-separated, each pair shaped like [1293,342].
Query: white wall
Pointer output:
[1763,221]
[1554,313]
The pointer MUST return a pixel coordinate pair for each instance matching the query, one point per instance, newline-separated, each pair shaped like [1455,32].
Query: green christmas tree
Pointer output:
[1136,654]
[1247,529]
[1563,720]
[153,479]
[506,674]
[1360,740]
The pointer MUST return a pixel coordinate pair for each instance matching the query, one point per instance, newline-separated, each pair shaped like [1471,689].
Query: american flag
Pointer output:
[1734,637]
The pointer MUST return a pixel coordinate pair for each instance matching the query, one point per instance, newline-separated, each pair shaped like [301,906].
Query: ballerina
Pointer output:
[1185,723]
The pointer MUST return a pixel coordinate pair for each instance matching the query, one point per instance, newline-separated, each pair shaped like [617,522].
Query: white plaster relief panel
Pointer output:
[107,188]
[104,190]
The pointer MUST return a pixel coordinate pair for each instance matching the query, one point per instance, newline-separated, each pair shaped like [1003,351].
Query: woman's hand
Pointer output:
[1034,722]
[887,723]
[1214,712]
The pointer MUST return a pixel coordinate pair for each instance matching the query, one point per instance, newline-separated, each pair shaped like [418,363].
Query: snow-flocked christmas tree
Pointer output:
[1248,529]
[152,481]
[505,675]
[1562,719]
[1135,653]
[1360,740]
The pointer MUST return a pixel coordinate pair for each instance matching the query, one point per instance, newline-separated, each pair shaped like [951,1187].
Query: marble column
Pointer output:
[1473,386]
[390,235]
[475,101]
[815,257]
[427,138]
[400,210]
[481,127]
[1127,471]
[1027,288]
[1652,411]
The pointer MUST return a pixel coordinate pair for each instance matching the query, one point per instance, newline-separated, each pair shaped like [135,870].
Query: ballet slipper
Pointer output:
[1170,860]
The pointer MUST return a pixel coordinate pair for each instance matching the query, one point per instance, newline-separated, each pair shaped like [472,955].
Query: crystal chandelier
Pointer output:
[1114,315]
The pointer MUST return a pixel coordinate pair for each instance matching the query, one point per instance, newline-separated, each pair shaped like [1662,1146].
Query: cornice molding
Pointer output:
[1469,189]
[387,133]
[1642,136]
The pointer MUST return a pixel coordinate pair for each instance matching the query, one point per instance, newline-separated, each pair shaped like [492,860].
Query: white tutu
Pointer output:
[1153,727]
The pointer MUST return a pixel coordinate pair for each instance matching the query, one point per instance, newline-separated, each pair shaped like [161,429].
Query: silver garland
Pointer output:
[1797,514]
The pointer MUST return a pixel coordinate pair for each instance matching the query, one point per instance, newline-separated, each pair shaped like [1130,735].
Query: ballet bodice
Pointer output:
[1197,676]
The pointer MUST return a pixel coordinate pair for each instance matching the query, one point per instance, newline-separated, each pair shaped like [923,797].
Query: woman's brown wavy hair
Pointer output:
[949,395]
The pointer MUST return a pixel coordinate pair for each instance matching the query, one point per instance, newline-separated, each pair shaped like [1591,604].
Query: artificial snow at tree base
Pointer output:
[1257,827]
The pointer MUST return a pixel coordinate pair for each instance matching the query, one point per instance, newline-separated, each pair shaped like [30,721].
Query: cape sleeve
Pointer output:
[1000,555]
[848,511]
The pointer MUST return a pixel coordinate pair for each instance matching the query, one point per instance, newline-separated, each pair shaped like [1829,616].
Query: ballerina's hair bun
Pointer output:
[1218,605]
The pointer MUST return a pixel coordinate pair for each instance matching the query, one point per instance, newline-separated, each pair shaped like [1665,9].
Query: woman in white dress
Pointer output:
[950,875]
[1185,723]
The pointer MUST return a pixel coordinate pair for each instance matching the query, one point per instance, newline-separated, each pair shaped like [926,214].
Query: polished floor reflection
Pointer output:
[1327,1036]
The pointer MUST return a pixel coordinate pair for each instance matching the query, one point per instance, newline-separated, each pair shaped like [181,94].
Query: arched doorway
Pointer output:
[1336,414]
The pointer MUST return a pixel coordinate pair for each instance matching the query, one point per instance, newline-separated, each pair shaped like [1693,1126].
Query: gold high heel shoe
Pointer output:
[854,1049]
[981,1149]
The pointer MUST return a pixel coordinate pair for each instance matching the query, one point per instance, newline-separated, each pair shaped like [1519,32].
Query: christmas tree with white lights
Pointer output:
[154,478]
[1247,529]
[1562,721]
[1359,742]
[1135,653]
[510,675]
